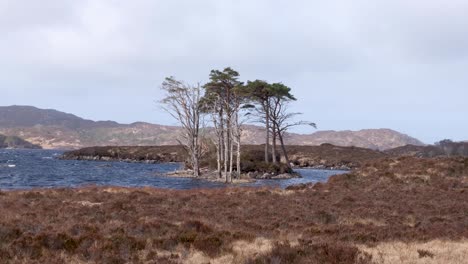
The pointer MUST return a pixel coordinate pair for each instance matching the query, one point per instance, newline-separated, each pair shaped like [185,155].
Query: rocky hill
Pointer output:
[443,149]
[16,142]
[367,138]
[54,129]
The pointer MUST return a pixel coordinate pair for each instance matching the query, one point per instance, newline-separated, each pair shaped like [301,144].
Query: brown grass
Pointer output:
[389,208]
[435,251]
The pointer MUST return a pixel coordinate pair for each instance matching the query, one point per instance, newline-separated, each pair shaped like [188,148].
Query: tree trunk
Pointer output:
[226,151]
[267,127]
[238,158]
[196,142]
[218,157]
[285,153]
[196,166]
[221,141]
[231,158]
[273,149]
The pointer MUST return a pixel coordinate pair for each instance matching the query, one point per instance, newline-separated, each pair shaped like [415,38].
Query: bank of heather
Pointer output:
[394,210]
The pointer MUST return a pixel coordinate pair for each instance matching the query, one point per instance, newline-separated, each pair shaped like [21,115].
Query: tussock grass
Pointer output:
[434,251]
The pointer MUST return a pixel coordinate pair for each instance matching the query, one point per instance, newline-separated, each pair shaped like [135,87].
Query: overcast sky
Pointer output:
[352,64]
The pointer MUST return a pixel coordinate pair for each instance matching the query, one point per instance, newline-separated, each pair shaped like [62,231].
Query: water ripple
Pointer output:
[40,169]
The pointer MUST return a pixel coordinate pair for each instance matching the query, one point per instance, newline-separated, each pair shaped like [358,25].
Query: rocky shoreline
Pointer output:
[323,167]
[244,178]
[108,159]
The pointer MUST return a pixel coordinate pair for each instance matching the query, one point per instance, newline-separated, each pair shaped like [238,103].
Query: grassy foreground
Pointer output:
[404,210]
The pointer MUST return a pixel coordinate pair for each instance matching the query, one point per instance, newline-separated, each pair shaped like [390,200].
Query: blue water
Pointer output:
[26,169]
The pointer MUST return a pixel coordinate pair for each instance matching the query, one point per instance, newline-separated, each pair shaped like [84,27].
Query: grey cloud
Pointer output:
[307,35]
[334,48]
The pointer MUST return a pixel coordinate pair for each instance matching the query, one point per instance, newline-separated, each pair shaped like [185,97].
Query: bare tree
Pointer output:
[279,116]
[212,105]
[283,120]
[239,99]
[218,122]
[183,102]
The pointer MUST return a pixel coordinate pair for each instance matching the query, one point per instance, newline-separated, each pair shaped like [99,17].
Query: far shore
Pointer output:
[325,156]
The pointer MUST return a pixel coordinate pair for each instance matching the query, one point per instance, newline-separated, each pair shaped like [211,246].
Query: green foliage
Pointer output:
[259,91]
[222,83]
[281,91]
[188,236]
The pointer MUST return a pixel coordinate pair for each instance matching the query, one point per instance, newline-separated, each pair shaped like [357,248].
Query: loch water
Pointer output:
[27,169]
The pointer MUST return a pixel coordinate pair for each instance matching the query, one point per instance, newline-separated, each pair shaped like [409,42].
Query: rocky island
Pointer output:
[325,156]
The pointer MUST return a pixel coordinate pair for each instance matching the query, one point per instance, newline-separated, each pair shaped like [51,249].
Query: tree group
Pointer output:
[228,103]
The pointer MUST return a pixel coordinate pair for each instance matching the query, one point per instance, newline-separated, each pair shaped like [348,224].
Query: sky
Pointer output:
[352,65]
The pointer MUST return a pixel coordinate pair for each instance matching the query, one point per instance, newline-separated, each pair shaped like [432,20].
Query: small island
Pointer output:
[253,167]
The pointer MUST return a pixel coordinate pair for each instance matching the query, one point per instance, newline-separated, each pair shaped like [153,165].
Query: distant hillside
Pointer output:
[29,116]
[368,138]
[54,129]
[16,142]
[441,149]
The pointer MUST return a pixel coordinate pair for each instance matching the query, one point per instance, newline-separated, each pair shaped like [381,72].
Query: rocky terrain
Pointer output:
[381,139]
[415,151]
[54,129]
[391,210]
[445,148]
[150,154]
[16,142]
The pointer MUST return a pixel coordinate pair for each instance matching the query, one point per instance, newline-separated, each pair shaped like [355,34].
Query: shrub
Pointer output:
[211,245]
[313,254]
[425,253]
[188,237]
[324,217]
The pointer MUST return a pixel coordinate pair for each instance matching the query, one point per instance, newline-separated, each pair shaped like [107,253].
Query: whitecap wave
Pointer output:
[7,165]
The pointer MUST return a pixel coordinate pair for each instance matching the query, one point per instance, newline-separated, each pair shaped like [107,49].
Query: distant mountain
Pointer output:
[369,138]
[16,142]
[29,116]
[446,149]
[54,129]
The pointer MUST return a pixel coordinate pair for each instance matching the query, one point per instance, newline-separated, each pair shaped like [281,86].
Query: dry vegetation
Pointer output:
[130,153]
[404,210]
